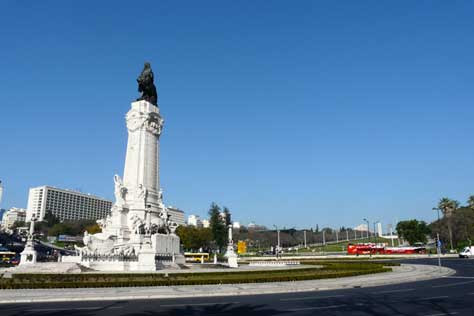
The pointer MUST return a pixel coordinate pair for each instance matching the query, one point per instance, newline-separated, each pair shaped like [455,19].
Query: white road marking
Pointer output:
[442,314]
[452,284]
[198,304]
[457,277]
[63,309]
[432,298]
[320,307]
[309,298]
[394,291]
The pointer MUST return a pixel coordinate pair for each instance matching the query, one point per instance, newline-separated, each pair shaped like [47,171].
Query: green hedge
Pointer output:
[92,280]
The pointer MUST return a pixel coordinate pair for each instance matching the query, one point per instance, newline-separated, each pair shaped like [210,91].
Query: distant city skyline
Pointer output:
[297,116]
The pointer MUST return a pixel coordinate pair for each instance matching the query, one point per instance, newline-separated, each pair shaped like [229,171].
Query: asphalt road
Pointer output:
[452,295]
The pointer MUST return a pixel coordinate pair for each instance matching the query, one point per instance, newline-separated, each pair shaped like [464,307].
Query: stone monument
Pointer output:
[28,255]
[230,253]
[138,235]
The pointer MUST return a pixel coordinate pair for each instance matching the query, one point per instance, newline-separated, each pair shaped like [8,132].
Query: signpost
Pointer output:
[438,248]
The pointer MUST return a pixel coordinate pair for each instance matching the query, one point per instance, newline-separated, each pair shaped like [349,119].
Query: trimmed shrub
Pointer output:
[92,280]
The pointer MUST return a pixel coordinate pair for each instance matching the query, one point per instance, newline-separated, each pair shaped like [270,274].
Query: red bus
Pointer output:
[382,249]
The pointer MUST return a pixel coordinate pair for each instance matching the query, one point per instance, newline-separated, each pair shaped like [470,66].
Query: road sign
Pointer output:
[241,247]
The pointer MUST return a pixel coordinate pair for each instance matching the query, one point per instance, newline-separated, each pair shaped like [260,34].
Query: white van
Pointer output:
[467,252]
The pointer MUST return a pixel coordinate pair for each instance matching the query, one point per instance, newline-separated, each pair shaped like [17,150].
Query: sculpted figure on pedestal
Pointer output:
[146,85]
[120,191]
[142,194]
[137,225]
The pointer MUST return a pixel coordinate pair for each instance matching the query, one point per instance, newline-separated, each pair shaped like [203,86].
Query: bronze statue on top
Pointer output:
[146,85]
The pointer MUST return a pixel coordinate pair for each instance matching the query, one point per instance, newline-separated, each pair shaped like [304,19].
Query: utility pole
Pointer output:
[324,238]
[355,234]
[337,236]
[347,234]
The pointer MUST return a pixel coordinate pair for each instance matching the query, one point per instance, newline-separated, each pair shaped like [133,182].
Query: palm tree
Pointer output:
[444,205]
[470,201]
[448,206]
[454,205]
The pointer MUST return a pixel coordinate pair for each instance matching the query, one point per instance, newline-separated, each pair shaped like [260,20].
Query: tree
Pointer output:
[227,217]
[93,229]
[470,202]
[17,224]
[50,219]
[60,229]
[413,231]
[462,224]
[443,205]
[194,238]
[448,206]
[217,226]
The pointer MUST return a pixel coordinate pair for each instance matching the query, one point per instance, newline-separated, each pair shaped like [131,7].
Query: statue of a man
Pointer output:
[142,194]
[32,225]
[119,191]
[146,85]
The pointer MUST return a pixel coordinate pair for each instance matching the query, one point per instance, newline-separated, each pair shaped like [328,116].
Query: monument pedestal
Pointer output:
[147,257]
[138,235]
[232,260]
[28,255]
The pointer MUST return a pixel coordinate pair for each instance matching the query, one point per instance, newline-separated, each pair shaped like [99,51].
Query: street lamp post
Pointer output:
[305,238]
[368,227]
[436,209]
[437,235]
[278,240]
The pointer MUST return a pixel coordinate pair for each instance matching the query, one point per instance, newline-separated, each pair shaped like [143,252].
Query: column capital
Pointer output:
[144,115]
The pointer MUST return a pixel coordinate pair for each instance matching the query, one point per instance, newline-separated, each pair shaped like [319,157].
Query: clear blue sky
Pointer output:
[293,114]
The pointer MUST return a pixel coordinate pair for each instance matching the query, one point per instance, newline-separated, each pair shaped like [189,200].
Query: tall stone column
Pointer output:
[141,172]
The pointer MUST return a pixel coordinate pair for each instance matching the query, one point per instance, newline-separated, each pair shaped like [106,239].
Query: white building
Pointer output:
[13,215]
[379,229]
[177,215]
[206,223]
[66,204]
[362,228]
[194,220]
[236,225]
